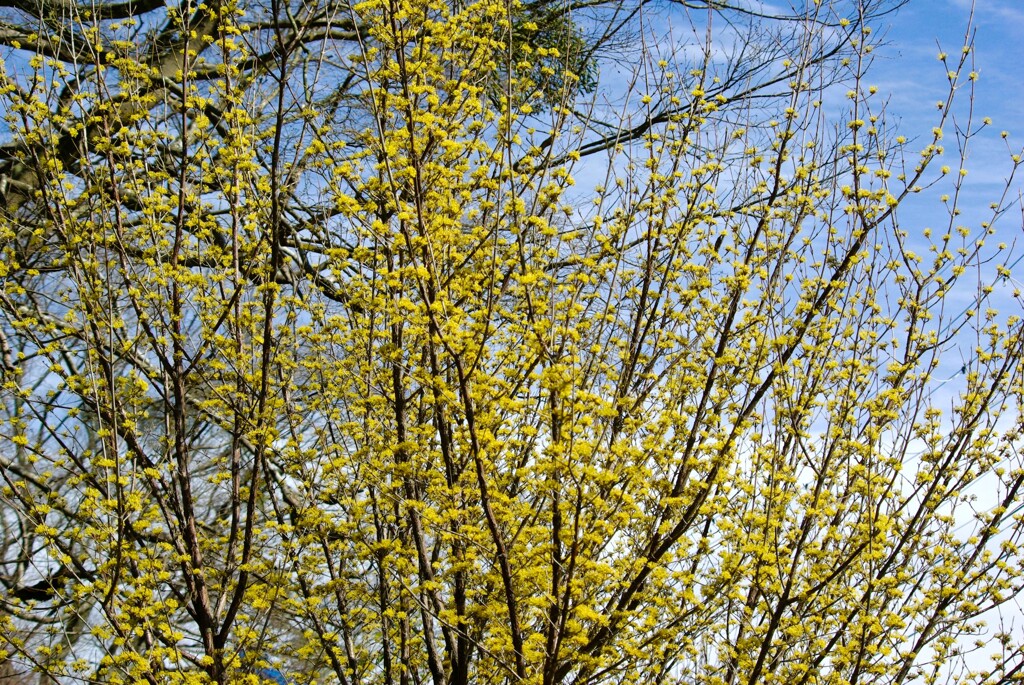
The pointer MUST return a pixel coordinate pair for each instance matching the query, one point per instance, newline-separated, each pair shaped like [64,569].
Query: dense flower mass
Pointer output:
[395,342]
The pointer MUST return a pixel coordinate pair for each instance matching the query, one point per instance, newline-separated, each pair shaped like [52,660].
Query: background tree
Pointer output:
[318,363]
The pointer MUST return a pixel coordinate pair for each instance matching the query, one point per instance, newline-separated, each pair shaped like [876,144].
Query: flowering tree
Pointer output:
[319,366]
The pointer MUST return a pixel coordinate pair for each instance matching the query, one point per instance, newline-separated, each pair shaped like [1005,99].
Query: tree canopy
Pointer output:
[408,342]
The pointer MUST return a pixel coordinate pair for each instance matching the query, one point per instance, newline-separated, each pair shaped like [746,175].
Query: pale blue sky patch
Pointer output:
[908,69]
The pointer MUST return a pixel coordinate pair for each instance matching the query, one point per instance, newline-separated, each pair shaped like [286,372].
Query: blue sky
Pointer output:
[912,79]
[917,29]
[907,68]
